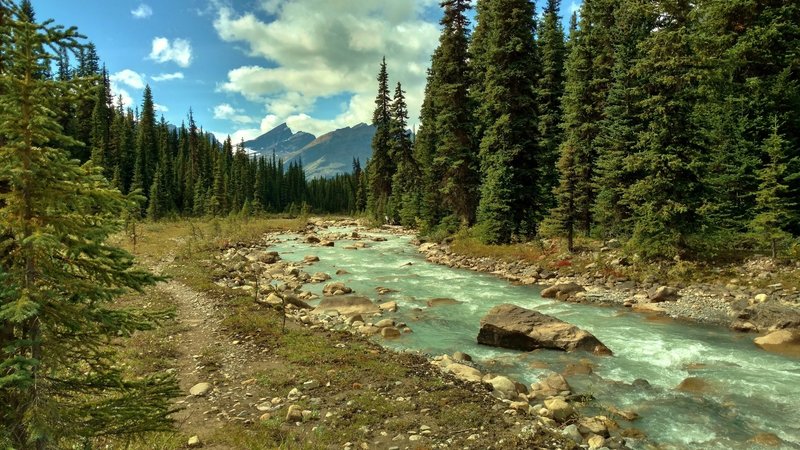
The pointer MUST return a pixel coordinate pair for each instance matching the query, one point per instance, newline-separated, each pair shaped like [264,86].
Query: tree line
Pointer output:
[178,170]
[674,125]
[75,166]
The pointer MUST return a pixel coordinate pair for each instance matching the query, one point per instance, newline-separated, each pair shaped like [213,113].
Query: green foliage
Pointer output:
[772,207]
[512,200]
[381,167]
[58,382]
[549,91]
[454,156]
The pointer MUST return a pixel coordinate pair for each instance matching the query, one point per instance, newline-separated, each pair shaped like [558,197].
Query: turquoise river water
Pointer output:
[749,391]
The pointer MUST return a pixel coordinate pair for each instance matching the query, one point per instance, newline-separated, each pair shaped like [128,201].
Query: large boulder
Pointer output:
[347,305]
[562,291]
[510,326]
[785,342]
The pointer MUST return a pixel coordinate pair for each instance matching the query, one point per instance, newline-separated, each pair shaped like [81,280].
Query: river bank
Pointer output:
[683,364]
[734,303]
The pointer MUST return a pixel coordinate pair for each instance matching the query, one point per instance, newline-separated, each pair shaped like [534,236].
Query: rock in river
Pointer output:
[347,305]
[517,328]
[562,291]
[785,342]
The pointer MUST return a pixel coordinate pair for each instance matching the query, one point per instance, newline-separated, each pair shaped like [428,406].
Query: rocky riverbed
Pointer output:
[734,304]
[547,404]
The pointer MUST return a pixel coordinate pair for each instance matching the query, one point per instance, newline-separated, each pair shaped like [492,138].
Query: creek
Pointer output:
[737,391]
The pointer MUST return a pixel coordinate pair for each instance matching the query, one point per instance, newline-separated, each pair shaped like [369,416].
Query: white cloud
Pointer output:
[129,78]
[143,11]
[225,111]
[160,108]
[117,92]
[168,76]
[322,48]
[178,51]
[239,135]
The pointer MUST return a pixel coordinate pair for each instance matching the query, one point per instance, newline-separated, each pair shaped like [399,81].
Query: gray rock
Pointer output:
[390,332]
[514,327]
[571,431]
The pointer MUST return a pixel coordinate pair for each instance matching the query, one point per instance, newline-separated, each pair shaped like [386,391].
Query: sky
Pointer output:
[246,66]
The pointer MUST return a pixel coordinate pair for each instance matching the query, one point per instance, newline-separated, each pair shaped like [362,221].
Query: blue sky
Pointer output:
[245,66]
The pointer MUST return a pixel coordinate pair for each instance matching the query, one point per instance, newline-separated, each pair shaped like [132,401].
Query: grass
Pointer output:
[588,257]
[359,381]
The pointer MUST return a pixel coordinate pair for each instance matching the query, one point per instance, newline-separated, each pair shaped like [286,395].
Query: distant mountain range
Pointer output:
[325,156]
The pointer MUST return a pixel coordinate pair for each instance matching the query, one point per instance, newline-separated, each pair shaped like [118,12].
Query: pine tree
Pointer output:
[511,161]
[550,90]
[404,180]
[667,198]
[424,153]
[146,140]
[564,218]
[773,208]
[455,157]
[621,126]
[381,167]
[59,384]
[101,127]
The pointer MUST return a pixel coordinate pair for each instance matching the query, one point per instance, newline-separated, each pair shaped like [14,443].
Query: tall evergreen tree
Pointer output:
[511,159]
[381,167]
[621,125]
[59,386]
[424,153]
[404,200]
[550,90]
[455,159]
[102,115]
[564,218]
[773,208]
[667,198]
[146,139]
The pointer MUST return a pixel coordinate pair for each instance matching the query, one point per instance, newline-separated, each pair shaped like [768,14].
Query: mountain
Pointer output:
[280,140]
[324,156]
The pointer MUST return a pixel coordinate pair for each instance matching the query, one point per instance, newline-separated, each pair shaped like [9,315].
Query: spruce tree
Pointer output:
[381,166]
[773,208]
[564,218]
[511,159]
[146,138]
[404,180]
[101,127]
[59,384]
[424,153]
[621,126]
[550,90]
[667,197]
[455,159]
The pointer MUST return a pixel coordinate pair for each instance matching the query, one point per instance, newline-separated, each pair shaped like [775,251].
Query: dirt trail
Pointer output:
[206,353]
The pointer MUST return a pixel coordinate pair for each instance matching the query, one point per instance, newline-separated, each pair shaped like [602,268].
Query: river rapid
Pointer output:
[735,393]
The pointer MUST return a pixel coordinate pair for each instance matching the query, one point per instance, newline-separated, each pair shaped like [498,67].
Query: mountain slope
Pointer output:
[325,156]
[280,140]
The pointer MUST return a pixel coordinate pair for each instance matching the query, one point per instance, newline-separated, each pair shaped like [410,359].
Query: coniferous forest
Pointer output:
[75,167]
[672,125]
[669,126]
